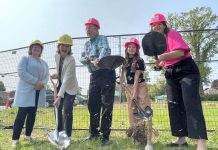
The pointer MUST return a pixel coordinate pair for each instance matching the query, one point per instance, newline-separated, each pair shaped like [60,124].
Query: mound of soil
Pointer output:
[138,133]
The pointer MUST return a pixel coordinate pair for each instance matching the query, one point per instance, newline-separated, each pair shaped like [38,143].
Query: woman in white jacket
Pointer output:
[68,85]
[31,90]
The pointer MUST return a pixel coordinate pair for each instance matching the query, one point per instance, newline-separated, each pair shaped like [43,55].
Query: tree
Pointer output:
[202,43]
[2,86]
[214,84]
[12,93]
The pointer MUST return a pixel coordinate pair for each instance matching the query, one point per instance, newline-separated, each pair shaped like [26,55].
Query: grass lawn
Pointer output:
[119,141]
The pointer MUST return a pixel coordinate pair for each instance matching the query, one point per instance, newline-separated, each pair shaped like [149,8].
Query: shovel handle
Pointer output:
[55,87]
[56,120]
[155,57]
[137,105]
[157,68]
[56,108]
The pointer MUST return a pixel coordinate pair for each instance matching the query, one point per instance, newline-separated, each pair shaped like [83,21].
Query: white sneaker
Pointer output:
[29,138]
[14,143]
[148,147]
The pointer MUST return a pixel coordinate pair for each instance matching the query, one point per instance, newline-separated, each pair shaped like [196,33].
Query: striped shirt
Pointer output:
[93,49]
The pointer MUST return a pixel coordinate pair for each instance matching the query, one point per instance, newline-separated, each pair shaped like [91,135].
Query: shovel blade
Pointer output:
[111,62]
[61,141]
[144,113]
[139,116]
[154,43]
[53,138]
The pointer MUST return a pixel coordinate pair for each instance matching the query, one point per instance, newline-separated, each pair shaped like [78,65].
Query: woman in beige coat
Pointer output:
[67,83]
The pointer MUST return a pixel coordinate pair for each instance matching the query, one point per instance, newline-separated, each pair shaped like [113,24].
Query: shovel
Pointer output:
[59,139]
[153,44]
[143,113]
[111,62]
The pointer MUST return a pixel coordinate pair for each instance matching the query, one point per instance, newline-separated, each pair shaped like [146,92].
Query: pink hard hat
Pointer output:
[157,18]
[93,21]
[132,40]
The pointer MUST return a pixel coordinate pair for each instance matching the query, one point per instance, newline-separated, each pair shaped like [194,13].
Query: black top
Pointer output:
[130,74]
[59,72]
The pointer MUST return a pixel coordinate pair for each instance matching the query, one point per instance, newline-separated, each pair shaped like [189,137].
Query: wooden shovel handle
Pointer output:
[157,68]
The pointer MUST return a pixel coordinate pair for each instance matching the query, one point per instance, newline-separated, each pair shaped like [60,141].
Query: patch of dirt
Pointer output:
[138,133]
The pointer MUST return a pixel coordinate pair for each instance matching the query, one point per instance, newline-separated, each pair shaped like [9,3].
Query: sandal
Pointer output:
[14,143]
[177,145]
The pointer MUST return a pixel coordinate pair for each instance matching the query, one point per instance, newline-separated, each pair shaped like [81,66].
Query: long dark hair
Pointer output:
[136,57]
[166,30]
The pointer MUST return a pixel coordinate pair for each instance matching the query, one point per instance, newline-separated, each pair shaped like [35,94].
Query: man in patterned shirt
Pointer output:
[102,82]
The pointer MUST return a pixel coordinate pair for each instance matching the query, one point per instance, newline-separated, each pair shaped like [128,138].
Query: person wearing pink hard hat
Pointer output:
[135,86]
[102,82]
[182,80]
[132,71]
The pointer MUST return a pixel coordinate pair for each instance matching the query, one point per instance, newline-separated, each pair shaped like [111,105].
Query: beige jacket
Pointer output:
[68,75]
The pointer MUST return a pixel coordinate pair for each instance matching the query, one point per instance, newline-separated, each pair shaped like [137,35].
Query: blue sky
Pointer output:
[25,20]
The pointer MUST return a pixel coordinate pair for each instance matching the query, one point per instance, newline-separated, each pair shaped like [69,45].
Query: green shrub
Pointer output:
[2,102]
[209,97]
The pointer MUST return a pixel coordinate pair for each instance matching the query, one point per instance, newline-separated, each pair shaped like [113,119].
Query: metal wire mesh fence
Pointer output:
[45,116]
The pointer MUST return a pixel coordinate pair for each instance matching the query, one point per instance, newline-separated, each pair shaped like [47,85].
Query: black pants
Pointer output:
[184,102]
[66,120]
[28,114]
[101,98]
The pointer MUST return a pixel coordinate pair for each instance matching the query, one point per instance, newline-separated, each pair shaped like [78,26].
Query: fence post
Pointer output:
[121,93]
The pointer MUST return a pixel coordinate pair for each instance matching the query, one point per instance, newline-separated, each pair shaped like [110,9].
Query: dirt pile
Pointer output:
[138,133]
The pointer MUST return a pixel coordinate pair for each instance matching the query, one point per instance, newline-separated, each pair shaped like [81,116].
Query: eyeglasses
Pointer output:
[90,27]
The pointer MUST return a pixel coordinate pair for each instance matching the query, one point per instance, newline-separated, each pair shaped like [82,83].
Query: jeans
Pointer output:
[66,120]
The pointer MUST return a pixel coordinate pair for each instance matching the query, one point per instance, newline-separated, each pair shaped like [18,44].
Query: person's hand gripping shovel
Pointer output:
[59,139]
[154,44]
